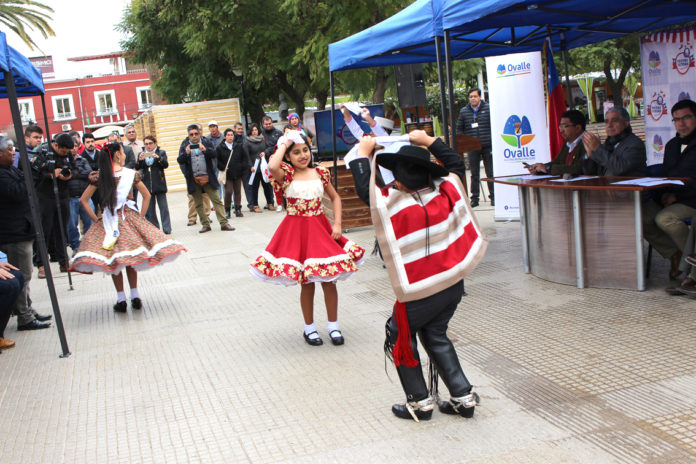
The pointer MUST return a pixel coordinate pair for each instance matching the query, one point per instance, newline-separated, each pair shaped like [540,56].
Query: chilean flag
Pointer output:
[556,103]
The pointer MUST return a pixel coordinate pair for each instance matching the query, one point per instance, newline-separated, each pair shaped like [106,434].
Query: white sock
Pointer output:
[308,329]
[333,326]
[134,293]
[120,296]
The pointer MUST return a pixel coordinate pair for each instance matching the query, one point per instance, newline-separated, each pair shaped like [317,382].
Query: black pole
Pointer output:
[564,54]
[241,85]
[34,206]
[333,129]
[450,89]
[441,79]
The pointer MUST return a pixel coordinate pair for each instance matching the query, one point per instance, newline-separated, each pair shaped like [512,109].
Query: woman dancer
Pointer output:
[306,249]
[122,237]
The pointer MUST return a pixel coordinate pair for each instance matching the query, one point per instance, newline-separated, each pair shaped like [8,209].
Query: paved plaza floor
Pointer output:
[214,367]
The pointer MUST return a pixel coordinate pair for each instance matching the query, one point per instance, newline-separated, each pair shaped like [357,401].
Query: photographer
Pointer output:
[53,161]
[151,163]
[84,164]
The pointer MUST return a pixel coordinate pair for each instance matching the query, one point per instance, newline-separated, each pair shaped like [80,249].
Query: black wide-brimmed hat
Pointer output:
[413,155]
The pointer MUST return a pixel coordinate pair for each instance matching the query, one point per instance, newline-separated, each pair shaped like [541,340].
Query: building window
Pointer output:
[144,97]
[26,111]
[63,107]
[105,102]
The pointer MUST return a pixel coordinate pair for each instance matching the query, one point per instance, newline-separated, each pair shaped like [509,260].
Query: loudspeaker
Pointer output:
[410,85]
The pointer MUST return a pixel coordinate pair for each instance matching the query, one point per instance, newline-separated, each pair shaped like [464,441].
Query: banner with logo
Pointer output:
[669,75]
[519,133]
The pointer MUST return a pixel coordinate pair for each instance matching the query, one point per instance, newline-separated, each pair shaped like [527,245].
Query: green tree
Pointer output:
[17,15]
[620,54]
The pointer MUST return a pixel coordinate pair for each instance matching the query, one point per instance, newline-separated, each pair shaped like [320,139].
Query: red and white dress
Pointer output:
[124,238]
[302,250]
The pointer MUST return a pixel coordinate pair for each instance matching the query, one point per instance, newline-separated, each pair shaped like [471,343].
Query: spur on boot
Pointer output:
[462,405]
[416,410]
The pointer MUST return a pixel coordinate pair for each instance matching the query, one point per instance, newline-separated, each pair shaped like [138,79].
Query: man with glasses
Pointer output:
[623,152]
[664,214]
[197,163]
[569,160]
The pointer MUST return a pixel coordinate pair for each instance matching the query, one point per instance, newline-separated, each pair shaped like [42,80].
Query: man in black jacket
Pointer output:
[197,163]
[17,233]
[83,164]
[53,161]
[663,216]
[475,121]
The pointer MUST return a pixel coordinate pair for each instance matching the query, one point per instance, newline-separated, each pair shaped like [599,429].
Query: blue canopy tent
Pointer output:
[21,79]
[477,28]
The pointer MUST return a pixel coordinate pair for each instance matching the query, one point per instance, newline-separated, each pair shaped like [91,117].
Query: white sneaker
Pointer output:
[279,208]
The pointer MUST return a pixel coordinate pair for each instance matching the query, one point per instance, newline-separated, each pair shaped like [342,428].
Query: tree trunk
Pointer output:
[321,96]
[380,86]
[616,86]
[153,73]
[291,92]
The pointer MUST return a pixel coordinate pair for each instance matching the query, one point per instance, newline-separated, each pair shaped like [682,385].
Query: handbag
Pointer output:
[201,180]
[222,174]
[428,243]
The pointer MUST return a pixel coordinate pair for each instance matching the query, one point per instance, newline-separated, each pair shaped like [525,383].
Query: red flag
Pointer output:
[556,103]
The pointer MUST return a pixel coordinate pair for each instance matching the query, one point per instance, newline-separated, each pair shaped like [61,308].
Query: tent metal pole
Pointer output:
[441,79]
[34,207]
[564,54]
[333,130]
[450,89]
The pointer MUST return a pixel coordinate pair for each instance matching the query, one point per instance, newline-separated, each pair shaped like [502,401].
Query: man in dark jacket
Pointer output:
[17,233]
[198,165]
[233,158]
[270,135]
[83,164]
[663,216]
[53,160]
[152,162]
[475,121]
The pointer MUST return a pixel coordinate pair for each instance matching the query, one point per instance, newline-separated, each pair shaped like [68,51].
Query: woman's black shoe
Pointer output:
[313,341]
[137,303]
[416,410]
[336,339]
[121,307]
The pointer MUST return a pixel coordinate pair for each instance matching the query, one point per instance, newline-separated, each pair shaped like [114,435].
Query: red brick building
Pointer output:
[87,103]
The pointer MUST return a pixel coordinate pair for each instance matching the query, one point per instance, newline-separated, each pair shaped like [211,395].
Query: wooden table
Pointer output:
[587,233]
[355,213]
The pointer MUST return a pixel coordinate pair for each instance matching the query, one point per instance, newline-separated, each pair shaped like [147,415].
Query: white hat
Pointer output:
[212,123]
[387,124]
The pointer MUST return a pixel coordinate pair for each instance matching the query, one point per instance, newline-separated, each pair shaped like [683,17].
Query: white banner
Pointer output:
[669,75]
[518,122]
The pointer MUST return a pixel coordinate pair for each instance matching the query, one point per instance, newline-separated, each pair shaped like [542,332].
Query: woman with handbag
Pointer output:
[151,163]
[233,161]
[256,145]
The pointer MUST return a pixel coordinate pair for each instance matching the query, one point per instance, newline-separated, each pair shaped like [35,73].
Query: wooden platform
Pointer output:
[355,212]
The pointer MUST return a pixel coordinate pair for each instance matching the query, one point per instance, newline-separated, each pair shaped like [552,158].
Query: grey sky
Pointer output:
[82,27]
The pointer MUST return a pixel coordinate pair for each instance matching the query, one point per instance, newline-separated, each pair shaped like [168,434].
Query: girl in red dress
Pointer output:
[122,237]
[306,248]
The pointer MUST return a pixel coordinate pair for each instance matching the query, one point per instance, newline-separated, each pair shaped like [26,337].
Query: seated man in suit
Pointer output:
[569,160]
[664,214]
[623,152]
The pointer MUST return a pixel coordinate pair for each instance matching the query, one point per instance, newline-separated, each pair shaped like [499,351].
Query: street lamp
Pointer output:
[240,75]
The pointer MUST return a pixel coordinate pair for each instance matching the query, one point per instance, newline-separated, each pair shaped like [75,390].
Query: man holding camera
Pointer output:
[52,162]
[84,164]
[197,162]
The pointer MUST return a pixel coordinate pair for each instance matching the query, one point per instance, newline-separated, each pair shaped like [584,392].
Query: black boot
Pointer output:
[227,213]
[238,211]
[462,405]
[416,410]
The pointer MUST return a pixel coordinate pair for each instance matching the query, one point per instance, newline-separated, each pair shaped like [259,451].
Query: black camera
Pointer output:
[65,172]
[194,146]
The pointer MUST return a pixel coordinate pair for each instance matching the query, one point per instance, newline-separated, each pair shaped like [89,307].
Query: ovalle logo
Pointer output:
[517,133]
[510,70]
[654,63]
[657,143]
[657,106]
[684,60]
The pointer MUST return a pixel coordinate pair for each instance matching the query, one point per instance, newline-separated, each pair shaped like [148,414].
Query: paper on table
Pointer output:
[256,168]
[639,181]
[662,182]
[574,179]
[536,176]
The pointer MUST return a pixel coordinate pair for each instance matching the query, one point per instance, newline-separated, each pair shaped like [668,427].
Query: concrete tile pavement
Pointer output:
[214,368]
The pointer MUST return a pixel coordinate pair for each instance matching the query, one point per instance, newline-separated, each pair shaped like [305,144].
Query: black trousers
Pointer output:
[475,158]
[429,318]
[51,228]
[267,189]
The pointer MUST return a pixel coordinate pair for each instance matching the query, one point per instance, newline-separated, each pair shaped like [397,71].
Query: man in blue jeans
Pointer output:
[83,164]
